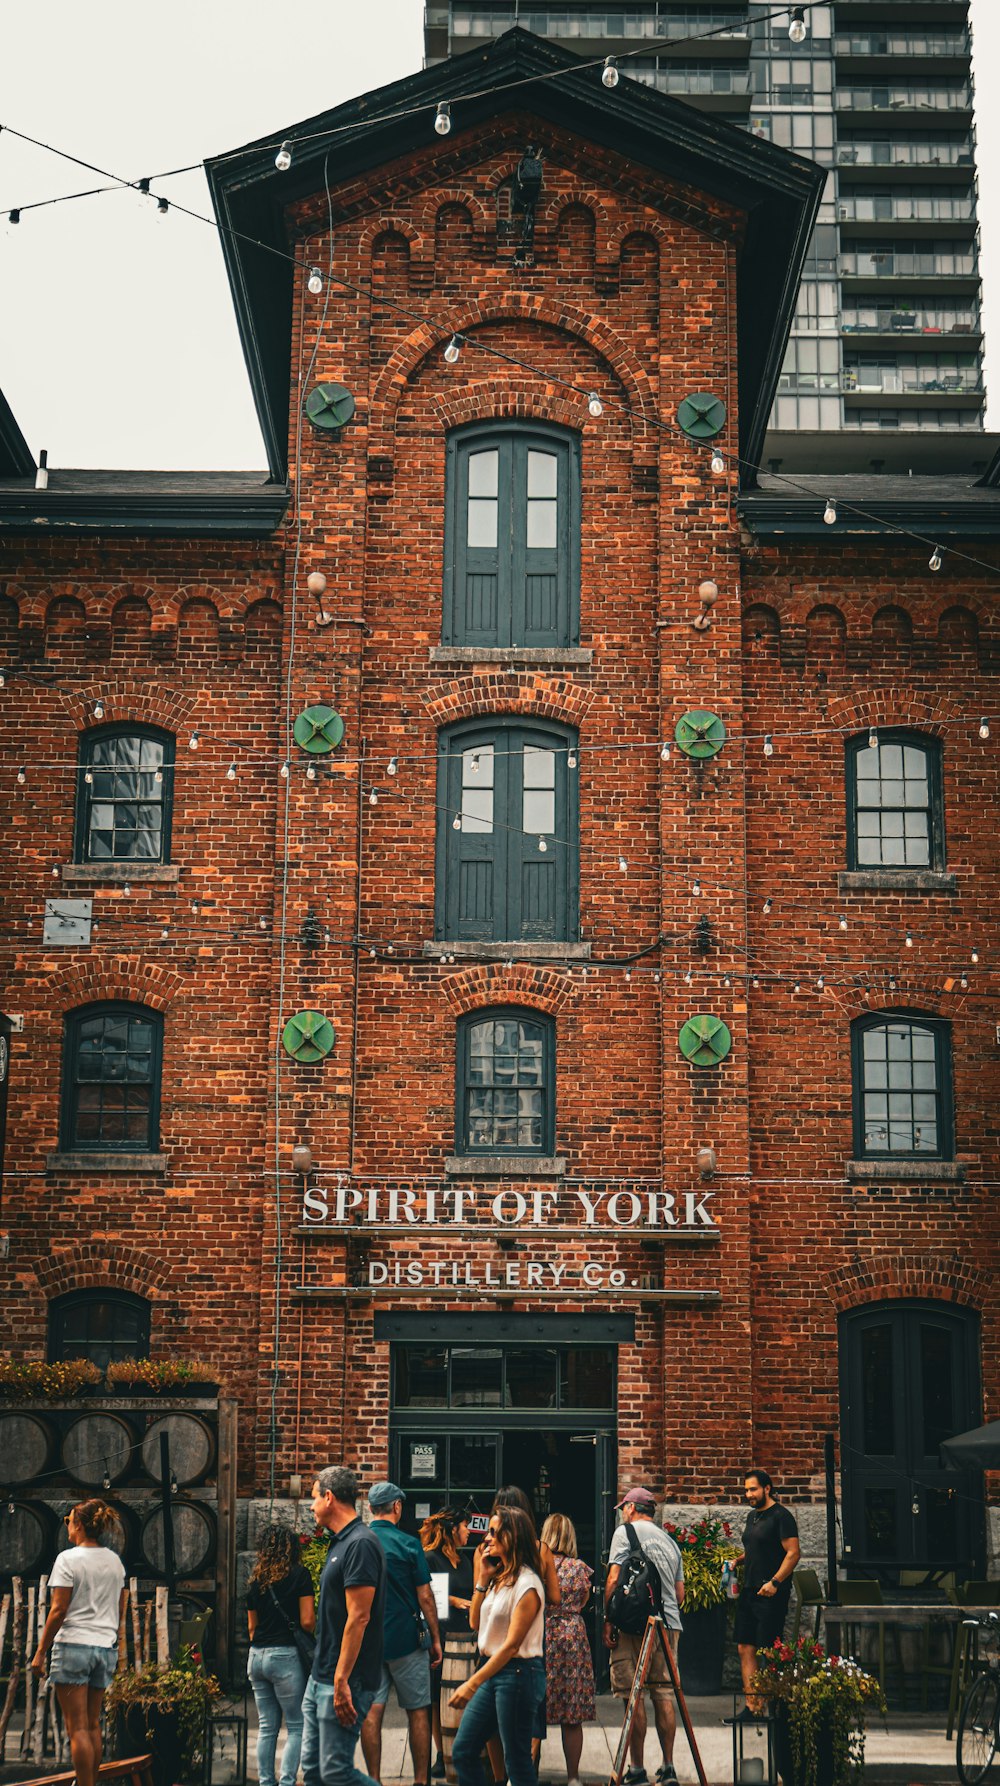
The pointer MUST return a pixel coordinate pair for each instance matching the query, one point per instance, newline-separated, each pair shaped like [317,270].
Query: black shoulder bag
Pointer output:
[304,1642]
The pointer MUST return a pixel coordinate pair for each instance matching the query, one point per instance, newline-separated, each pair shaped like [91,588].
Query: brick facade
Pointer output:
[633,294]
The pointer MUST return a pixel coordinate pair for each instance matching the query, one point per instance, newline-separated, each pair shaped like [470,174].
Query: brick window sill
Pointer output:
[544,657]
[513,951]
[506,1165]
[115,874]
[132,1164]
[896,880]
[904,1172]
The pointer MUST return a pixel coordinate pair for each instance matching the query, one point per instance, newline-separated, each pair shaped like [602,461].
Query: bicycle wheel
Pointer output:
[977,1729]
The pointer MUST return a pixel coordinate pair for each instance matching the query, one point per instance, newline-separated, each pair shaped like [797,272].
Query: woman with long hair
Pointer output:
[87,1583]
[508,1612]
[444,1537]
[512,1496]
[279,1598]
[569,1668]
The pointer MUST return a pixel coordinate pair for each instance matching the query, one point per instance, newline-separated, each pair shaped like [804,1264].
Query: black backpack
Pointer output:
[638,1594]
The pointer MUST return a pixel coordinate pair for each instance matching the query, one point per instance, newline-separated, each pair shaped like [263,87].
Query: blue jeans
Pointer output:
[508,1702]
[278,1680]
[327,1745]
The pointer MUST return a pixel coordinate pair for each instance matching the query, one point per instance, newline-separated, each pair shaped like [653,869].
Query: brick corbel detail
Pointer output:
[132,981]
[138,698]
[891,705]
[931,1276]
[491,983]
[537,697]
[102,1265]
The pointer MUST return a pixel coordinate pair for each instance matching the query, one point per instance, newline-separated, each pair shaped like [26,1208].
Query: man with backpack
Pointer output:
[645,1576]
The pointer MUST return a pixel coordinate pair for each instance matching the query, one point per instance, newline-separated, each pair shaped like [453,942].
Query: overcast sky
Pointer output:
[118,346]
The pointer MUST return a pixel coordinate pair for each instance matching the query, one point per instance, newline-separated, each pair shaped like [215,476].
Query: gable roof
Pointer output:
[779,192]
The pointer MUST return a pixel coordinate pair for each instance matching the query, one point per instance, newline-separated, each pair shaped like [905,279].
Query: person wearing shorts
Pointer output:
[770,1554]
[638,1508]
[88,1597]
[410,1613]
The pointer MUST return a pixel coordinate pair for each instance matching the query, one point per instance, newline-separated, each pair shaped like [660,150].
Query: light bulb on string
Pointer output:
[543,846]
[622,864]
[88,777]
[984,728]
[285,770]
[768,745]
[373,797]
[696,888]
[718,463]
[195,907]
[453,349]
[872,738]
[665,752]
[908,939]
[628,973]
[755,981]
[392,766]
[231,772]
[766,907]
[964,982]
[315,281]
[571,759]
[157,776]
[164,935]
[98,709]
[892,983]
[126,890]
[442,118]
[263,924]
[193,741]
[688,977]
[830,512]
[13,217]
[820,984]
[796,987]
[106,1478]
[21,778]
[934,561]
[162,206]
[797,27]
[456,823]
[283,159]
[609,73]
[474,765]
[595,406]
[311,772]
[975,957]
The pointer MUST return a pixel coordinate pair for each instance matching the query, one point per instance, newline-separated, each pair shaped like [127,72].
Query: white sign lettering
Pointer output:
[618,1207]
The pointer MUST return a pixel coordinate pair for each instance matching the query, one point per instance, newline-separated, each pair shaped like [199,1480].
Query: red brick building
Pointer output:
[598,874]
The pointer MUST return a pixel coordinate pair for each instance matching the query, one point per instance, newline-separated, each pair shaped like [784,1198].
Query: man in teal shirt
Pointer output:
[406,1662]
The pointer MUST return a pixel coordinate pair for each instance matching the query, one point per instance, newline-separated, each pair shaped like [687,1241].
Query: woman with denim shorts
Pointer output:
[279,1597]
[508,1612]
[88,1596]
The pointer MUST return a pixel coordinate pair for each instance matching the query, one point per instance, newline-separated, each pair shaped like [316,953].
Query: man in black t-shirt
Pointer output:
[348,1663]
[770,1554]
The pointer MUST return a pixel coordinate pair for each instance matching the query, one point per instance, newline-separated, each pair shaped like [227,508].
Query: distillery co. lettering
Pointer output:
[510,1274]
[584,1205]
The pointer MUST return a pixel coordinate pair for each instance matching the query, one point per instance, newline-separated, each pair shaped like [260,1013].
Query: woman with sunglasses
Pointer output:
[88,1598]
[508,1612]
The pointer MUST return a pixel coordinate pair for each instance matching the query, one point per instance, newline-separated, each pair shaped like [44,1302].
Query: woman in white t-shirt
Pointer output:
[508,1612]
[87,1584]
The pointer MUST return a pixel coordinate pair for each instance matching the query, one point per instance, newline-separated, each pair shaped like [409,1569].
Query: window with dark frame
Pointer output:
[902,1087]
[98,1324]
[111,1079]
[895,808]
[505,1093]
[124,795]
[508,853]
[512,537]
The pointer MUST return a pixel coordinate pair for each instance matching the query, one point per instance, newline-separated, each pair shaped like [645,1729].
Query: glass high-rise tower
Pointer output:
[887,336]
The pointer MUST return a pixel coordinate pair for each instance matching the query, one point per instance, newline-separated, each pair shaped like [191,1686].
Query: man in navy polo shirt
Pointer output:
[348,1665]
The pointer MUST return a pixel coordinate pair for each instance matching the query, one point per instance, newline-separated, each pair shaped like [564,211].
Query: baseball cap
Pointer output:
[637,1497]
[382,1494]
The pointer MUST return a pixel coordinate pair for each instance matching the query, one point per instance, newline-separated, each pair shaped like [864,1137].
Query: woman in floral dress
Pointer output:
[569,1670]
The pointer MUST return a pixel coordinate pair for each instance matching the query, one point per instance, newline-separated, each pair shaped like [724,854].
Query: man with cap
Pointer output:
[412,1643]
[637,1508]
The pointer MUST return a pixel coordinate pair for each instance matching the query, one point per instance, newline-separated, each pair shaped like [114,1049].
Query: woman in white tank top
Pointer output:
[508,1612]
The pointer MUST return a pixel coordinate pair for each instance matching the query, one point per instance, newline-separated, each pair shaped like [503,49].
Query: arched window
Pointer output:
[508,856]
[505,1083]
[124,795]
[100,1325]
[902,1087]
[895,816]
[909,1378]
[512,537]
[111,1079]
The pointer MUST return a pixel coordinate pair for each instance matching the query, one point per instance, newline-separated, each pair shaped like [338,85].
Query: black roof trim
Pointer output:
[779,192]
[107,505]
[16,459]
[797,517]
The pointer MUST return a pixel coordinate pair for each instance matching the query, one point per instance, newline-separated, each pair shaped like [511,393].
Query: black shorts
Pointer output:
[760,1618]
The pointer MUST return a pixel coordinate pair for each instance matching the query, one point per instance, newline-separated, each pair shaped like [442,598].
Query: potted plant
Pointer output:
[32,1379]
[163,1710]
[162,1376]
[315,1550]
[705,1547]
[820,1704]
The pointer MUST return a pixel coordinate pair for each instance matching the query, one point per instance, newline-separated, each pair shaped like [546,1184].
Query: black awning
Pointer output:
[978,1449]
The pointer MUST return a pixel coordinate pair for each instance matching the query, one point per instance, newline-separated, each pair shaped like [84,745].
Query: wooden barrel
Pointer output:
[26,1446]
[459,1662]
[25,1537]
[192,1447]
[194,1538]
[98,1446]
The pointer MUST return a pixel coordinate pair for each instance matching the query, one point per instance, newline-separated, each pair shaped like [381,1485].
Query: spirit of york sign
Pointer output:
[588,1205]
